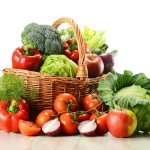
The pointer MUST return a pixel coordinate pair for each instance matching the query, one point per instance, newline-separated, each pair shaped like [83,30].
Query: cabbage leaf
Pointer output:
[59,65]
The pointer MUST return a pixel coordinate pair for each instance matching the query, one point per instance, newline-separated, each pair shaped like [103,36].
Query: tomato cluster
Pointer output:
[66,110]
[70,49]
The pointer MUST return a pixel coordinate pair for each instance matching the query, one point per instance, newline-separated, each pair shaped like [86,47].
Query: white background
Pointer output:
[126,22]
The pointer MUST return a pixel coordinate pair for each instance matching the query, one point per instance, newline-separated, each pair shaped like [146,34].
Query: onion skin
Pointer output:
[108,62]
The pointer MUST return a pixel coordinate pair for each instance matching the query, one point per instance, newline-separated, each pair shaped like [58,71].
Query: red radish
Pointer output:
[51,127]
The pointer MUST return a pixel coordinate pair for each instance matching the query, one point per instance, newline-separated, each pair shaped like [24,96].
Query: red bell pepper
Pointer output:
[11,113]
[28,59]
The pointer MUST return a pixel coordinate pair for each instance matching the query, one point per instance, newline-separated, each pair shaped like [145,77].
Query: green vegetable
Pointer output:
[12,87]
[100,50]
[128,91]
[42,37]
[66,33]
[97,51]
[59,65]
[93,38]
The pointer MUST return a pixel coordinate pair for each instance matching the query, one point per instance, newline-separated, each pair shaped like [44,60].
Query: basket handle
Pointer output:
[82,69]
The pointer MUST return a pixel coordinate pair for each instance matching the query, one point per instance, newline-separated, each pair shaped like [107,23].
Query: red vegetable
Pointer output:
[71,49]
[44,116]
[28,59]
[83,117]
[73,55]
[28,128]
[11,113]
[87,50]
[91,101]
[101,123]
[68,125]
[65,102]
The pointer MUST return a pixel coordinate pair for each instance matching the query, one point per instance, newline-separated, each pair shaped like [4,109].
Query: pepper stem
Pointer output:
[27,51]
[13,106]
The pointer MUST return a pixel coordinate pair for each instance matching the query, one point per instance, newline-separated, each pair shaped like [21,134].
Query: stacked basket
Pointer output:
[48,86]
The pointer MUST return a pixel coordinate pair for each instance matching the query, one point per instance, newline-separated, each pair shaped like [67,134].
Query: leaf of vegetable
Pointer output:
[143,116]
[93,38]
[11,87]
[105,89]
[142,80]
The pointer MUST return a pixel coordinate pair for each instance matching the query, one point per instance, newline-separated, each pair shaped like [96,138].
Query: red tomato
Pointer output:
[45,116]
[28,128]
[91,101]
[74,55]
[68,126]
[64,99]
[67,53]
[65,46]
[69,41]
[83,117]
[101,123]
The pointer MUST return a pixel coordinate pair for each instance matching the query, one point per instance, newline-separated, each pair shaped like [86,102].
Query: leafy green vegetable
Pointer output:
[59,65]
[93,38]
[128,91]
[11,87]
[66,33]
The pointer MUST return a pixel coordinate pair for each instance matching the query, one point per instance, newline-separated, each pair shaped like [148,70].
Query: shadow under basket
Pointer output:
[48,86]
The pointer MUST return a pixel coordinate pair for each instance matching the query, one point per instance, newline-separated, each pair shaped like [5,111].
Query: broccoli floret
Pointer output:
[45,38]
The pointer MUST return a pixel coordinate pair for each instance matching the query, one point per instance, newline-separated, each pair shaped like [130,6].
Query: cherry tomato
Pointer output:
[74,55]
[67,52]
[71,49]
[101,123]
[91,101]
[65,46]
[69,41]
[83,117]
[64,99]
[68,126]
[28,128]
[45,116]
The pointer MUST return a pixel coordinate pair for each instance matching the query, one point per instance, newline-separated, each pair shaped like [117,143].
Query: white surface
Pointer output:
[12,141]
[126,23]
[127,27]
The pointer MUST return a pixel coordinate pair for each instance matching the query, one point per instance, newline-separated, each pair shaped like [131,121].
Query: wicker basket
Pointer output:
[49,86]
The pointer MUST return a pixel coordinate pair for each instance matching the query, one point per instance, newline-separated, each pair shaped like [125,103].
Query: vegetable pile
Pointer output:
[12,105]
[128,91]
[44,49]
[120,98]
[120,105]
